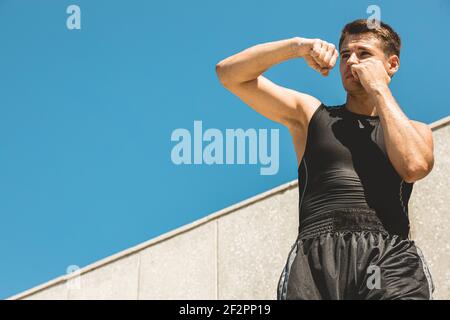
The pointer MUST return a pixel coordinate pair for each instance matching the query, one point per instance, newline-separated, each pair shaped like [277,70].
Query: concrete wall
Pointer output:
[239,252]
[430,212]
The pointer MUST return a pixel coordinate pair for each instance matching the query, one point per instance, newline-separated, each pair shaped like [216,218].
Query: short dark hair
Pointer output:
[389,38]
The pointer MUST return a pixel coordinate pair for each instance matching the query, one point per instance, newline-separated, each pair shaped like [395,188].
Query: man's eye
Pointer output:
[345,55]
[365,53]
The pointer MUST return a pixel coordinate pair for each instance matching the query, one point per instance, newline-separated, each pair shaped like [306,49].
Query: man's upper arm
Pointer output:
[427,136]
[425,132]
[277,103]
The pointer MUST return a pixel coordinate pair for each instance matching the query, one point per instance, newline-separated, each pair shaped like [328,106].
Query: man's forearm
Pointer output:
[254,61]
[407,150]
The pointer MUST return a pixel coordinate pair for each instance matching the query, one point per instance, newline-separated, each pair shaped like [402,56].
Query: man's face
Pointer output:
[354,49]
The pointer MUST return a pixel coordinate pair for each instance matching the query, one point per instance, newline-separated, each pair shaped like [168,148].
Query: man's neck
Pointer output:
[360,103]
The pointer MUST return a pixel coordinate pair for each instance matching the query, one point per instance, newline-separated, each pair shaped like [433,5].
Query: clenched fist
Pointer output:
[319,55]
[371,74]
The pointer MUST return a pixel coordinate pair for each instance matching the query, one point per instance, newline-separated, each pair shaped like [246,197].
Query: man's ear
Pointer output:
[393,65]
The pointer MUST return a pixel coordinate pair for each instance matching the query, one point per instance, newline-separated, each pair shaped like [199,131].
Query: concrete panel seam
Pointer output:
[138,275]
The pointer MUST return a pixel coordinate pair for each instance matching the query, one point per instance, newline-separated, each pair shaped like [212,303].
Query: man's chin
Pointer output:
[353,87]
[352,82]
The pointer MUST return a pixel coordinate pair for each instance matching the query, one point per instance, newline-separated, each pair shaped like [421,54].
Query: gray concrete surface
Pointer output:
[430,215]
[239,252]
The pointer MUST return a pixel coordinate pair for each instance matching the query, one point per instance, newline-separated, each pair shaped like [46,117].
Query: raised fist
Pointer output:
[319,55]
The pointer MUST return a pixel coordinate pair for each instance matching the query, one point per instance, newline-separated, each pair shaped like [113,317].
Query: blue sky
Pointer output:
[86,115]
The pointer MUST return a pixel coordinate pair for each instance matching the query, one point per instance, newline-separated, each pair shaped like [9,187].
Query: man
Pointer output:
[357,163]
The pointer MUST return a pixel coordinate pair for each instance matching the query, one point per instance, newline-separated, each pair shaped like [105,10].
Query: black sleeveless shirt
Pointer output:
[345,165]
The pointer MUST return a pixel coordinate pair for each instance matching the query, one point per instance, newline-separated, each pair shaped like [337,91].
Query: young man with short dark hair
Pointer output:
[357,163]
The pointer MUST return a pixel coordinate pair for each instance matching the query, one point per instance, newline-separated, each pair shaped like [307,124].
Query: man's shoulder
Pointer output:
[420,126]
[418,123]
[424,130]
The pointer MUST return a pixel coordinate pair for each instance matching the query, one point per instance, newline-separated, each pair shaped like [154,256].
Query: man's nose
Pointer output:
[353,59]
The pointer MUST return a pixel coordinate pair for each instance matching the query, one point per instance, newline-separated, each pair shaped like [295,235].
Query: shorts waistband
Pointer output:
[347,219]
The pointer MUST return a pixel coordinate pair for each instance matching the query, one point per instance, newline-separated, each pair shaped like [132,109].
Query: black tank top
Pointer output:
[345,165]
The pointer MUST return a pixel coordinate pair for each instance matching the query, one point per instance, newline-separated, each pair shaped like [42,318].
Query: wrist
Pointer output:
[378,89]
[299,47]
[378,95]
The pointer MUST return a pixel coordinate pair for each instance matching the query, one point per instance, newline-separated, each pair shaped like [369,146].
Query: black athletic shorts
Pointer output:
[348,254]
